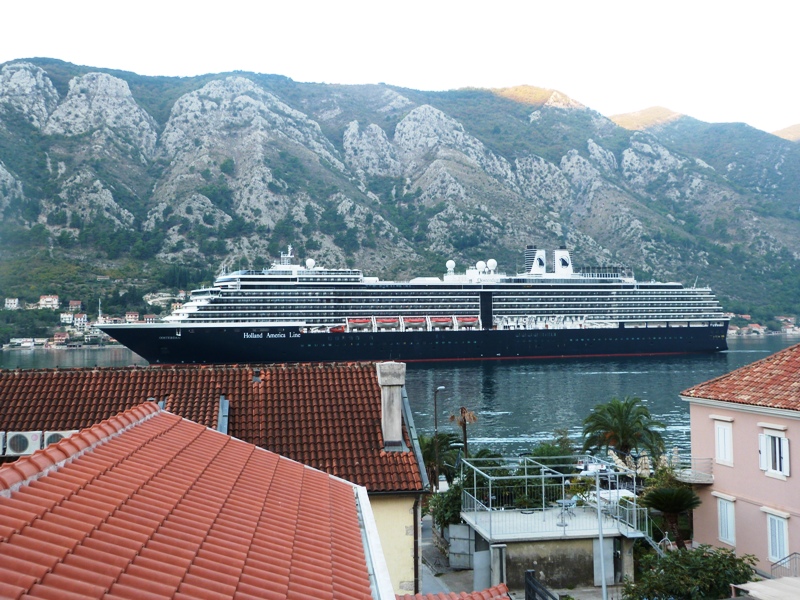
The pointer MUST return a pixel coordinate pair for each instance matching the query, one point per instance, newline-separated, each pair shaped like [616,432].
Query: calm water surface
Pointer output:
[517,403]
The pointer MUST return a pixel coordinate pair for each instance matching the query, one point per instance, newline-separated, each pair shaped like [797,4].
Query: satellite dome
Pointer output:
[450,264]
[310,263]
[492,264]
[481,266]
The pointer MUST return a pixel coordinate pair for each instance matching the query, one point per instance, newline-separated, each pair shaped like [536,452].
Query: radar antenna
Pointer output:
[286,257]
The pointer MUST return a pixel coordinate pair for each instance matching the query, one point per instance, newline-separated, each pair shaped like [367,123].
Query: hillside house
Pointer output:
[131,317]
[67,318]
[80,321]
[12,304]
[75,305]
[49,302]
[748,421]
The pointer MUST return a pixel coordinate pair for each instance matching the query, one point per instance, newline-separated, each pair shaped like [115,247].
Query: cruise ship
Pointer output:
[300,313]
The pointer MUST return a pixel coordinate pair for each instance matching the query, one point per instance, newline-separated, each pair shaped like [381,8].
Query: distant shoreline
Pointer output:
[50,348]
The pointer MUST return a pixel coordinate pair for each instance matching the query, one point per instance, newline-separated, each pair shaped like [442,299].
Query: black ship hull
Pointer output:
[216,344]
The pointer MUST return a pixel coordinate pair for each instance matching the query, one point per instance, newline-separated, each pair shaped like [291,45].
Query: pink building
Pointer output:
[748,421]
[131,317]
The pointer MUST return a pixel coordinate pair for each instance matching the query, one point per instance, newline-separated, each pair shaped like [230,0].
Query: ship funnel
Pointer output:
[535,261]
[563,262]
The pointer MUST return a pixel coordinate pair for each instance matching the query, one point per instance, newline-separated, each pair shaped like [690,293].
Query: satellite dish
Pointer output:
[481,266]
[310,263]
[492,264]
[450,264]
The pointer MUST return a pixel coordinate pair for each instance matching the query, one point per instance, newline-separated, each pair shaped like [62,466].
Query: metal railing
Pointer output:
[787,567]
[535,590]
[692,470]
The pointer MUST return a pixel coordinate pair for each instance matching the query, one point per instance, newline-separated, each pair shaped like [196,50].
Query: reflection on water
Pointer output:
[522,403]
[518,403]
[39,358]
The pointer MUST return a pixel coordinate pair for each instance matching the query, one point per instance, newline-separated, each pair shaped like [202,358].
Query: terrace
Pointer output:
[545,498]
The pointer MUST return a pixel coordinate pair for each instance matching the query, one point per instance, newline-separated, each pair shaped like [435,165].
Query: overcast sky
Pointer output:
[718,61]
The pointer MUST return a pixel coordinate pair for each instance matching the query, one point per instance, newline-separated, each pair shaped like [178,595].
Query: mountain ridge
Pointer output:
[147,175]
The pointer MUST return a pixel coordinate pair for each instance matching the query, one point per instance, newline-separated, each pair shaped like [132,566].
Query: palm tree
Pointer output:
[623,425]
[672,502]
[464,417]
[447,456]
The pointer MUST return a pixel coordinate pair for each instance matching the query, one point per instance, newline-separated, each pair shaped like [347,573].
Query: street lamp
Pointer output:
[435,482]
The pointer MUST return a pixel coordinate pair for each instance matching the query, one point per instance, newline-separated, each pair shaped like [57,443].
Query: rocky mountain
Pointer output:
[108,172]
[791,133]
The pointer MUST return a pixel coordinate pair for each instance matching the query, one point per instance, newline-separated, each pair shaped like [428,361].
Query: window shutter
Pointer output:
[763,452]
[773,537]
[726,522]
[785,456]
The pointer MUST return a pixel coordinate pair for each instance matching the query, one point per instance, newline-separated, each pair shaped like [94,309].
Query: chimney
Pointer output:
[392,378]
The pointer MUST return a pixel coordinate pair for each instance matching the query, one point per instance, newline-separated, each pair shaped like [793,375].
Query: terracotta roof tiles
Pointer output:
[161,507]
[772,382]
[498,592]
[327,416]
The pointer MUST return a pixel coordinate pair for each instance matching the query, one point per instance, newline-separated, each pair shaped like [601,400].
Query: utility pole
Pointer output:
[435,482]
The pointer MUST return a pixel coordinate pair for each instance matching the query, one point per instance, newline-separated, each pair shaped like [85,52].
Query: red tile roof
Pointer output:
[324,415]
[150,505]
[498,592]
[772,382]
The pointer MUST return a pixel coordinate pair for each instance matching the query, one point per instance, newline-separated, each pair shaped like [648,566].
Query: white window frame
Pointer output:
[723,443]
[726,519]
[777,536]
[773,453]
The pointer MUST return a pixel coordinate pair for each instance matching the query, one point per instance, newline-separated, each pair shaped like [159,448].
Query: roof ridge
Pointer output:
[29,468]
[779,355]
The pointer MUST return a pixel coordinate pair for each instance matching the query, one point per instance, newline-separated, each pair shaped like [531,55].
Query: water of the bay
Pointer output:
[518,403]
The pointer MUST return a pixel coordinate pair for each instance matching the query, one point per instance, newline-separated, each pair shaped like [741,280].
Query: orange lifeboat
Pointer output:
[414,322]
[442,321]
[359,323]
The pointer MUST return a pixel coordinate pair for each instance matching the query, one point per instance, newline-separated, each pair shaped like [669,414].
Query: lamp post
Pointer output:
[435,482]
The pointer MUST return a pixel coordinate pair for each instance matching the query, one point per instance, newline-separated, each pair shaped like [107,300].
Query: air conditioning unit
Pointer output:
[22,442]
[53,437]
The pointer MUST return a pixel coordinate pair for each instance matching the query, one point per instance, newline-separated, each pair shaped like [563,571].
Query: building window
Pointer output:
[726,521]
[723,435]
[777,534]
[773,450]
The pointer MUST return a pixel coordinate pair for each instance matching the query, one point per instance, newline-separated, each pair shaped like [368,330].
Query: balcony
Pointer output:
[696,471]
[525,498]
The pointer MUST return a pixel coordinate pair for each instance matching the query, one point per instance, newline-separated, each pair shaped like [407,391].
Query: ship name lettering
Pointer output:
[253,336]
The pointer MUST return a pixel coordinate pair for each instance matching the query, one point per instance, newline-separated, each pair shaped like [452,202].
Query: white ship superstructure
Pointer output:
[316,299]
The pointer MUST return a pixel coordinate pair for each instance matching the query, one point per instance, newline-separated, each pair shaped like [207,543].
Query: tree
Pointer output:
[624,425]
[447,456]
[672,502]
[464,417]
[445,508]
[705,573]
